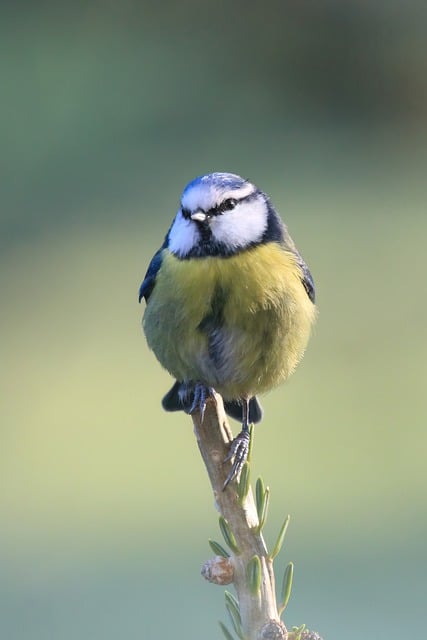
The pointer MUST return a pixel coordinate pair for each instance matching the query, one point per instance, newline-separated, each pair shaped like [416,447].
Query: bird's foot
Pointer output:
[201,394]
[239,450]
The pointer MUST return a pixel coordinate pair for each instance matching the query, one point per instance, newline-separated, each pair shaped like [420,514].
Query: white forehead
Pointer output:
[210,190]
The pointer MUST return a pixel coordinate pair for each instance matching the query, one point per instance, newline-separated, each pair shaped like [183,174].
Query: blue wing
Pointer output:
[149,281]
[307,280]
[278,232]
[146,289]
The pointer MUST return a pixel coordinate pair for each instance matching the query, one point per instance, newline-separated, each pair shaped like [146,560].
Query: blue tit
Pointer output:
[230,301]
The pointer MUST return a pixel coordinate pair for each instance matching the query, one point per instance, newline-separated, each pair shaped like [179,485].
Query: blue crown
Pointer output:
[218,179]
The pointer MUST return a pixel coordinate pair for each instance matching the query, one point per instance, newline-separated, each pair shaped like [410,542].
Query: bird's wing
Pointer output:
[149,281]
[307,280]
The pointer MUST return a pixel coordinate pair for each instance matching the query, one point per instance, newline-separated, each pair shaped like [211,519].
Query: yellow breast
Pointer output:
[239,324]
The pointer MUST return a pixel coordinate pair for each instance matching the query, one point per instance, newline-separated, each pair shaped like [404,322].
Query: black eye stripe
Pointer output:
[226,205]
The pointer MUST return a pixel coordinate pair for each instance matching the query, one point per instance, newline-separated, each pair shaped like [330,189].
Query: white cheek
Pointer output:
[183,235]
[242,226]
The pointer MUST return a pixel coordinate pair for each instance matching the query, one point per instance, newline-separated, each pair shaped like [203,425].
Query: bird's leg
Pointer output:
[201,395]
[240,446]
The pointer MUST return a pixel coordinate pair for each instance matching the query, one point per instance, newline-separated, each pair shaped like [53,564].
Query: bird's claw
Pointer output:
[239,450]
[201,395]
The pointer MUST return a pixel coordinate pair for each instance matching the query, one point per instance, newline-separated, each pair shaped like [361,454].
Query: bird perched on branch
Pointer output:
[230,302]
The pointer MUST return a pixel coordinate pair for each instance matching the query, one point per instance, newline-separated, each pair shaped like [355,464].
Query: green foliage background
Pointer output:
[107,111]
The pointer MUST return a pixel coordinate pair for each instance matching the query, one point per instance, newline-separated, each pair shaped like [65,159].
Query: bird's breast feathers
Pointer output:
[239,324]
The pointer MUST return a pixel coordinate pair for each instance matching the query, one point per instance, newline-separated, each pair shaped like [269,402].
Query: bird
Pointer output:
[230,302]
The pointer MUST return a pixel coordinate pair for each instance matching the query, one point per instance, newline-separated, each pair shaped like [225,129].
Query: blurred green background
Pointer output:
[108,109]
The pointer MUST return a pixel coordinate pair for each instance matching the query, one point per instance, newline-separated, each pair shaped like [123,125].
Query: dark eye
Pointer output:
[227,205]
[185,212]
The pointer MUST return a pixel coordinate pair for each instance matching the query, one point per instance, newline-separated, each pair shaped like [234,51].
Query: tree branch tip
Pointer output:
[244,561]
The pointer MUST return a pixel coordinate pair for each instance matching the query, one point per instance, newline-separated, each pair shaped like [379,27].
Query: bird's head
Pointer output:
[222,214]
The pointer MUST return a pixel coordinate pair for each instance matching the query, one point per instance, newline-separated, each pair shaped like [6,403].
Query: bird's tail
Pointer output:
[180,398]
[233,408]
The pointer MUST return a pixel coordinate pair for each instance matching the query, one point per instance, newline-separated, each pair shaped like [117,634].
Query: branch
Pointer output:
[255,614]
[257,609]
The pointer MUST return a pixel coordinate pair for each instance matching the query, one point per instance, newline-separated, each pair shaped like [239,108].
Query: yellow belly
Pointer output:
[239,324]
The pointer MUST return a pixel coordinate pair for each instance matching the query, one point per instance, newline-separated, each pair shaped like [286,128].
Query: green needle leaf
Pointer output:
[234,612]
[259,495]
[231,600]
[225,631]
[298,631]
[262,515]
[253,574]
[244,483]
[286,587]
[251,442]
[218,549]
[280,538]
[228,535]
